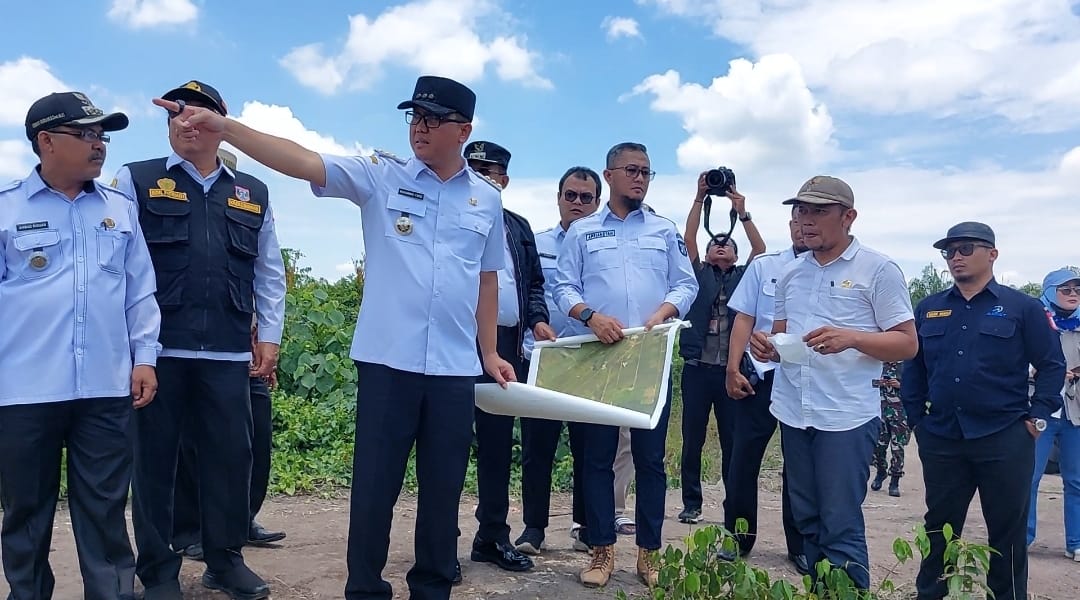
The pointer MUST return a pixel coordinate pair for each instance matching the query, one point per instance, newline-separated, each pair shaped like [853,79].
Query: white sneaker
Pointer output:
[1073,554]
[579,545]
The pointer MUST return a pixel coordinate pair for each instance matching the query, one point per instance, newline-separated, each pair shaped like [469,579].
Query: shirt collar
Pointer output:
[414,167]
[994,288]
[605,214]
[848,254]
[175,159]
[35,184]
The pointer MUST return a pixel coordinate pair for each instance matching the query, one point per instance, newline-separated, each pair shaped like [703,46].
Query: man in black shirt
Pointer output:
[966,397]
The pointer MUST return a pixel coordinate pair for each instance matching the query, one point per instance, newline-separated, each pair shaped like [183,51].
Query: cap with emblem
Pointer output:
[69,108]
[824,190]
[968,230]
[488,152]
[441,96]
[197,91]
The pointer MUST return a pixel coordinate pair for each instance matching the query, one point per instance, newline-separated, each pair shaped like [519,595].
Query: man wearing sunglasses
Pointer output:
[521,308]
[966,397]
[78,345]
[211,234]
[433,232]
[578,196]
[624,267]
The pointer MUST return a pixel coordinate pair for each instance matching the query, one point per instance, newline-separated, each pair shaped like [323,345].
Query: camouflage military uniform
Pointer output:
[894,428]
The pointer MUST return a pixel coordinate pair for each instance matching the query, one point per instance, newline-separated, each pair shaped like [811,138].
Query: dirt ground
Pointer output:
[310,563]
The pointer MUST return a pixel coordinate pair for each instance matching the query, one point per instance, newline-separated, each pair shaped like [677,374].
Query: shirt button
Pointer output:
[82,288]
[964,327]
[957,380]
[968,307]
[79,259]
[80,319]
[960,352]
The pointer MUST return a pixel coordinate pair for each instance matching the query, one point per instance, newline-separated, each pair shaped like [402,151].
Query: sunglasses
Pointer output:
[964,250]
[571,196]
[1069,291]
[488,171]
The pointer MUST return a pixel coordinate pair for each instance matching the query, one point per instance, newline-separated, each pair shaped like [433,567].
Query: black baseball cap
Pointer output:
[199,92]
[488,152]
[69,108]
[968,230]
[441,96]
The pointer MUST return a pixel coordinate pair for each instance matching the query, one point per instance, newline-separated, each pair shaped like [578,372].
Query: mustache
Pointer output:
[97,156]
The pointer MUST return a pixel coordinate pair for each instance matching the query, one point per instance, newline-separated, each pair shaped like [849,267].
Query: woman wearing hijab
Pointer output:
[1061,297]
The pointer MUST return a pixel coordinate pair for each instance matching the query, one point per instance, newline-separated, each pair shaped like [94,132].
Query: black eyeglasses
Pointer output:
[431,121]
[86,135]
[488,171]
[964,250]
[1069,291]
[632,171]
[571,196]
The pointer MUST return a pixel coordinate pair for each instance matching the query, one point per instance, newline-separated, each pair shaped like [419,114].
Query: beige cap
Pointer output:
[823,189]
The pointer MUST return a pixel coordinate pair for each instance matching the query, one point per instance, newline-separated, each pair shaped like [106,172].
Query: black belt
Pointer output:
[697,363]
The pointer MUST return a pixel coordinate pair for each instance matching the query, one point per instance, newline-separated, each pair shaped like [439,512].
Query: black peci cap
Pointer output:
[441,96]
[488,152]
[197,91]
[69,108]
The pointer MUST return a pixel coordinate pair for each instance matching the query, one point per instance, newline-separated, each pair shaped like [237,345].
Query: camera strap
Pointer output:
[732,214]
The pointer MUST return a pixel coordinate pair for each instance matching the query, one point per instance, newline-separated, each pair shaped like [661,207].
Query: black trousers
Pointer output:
[95,433]
[186,496]
[539,444]
[211,398]
[704,391]
[494,452]
[395,410]
[754,427]
[999,466]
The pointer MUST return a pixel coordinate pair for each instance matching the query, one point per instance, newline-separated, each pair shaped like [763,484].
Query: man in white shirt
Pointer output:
[850,306]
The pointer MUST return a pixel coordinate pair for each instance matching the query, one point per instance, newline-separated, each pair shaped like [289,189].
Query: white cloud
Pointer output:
[759,114]
[1013,58]
[139,14]
[450,45]
[280,121]
[617,27]
[15,159]
[22,81]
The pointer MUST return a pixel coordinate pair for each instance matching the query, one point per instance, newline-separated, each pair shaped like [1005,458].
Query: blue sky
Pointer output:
[934,112]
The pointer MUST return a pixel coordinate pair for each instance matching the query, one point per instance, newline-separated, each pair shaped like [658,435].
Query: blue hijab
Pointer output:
[1070,322]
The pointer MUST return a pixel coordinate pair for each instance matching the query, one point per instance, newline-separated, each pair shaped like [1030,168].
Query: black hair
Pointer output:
[721,240]
[584,173]
[621,147]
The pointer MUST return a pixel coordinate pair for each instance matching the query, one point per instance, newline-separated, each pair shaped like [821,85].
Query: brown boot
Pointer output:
[600,567]
[648,568]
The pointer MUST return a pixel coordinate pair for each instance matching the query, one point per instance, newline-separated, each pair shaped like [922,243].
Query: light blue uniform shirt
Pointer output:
[269,267]
[76,294]
[508,293]
[756,293]
[426,241]
[624,268]
[548,243]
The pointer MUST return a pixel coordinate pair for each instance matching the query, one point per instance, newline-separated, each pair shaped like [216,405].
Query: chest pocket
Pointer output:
[849,307]
[404,218]
[769,288]
[603,253]
[470,236]
[38,254]
[112,249]
[166,221]
[652,252]
[243,229]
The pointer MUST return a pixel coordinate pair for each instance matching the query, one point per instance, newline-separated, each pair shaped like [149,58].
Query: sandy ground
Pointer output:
[310,563]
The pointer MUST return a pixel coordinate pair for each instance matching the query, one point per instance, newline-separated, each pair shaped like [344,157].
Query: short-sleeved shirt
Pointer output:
[426,242]
[624,268]
[862,290]
[756,294]
[548,243]
[77,305]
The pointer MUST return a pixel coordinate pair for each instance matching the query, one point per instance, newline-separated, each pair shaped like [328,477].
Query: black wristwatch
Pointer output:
[586,315]
[746,217]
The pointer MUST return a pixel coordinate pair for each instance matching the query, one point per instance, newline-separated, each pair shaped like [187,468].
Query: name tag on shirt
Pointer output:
[595,235]
[410,194]
[937,314]
[250,207]
[32,226]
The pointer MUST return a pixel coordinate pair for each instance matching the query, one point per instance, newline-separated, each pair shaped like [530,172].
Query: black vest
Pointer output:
[203,247]
[692,340]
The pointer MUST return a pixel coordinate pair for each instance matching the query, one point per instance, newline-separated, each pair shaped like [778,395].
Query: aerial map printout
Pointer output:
[581,379]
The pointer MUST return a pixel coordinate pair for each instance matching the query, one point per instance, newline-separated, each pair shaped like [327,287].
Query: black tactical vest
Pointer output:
[203,246]
[692,339]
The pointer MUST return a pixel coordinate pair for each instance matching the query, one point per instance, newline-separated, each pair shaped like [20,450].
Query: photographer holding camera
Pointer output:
[704,345]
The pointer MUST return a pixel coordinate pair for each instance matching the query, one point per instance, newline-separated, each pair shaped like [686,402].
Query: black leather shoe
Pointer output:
[240,583]
[894,487]
[260,536]
[194,552]
[502,555]
[457,573]
[878,480]
[799,560]
[164,591]
[726,555]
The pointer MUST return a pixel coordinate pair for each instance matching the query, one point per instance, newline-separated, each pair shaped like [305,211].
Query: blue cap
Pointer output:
[968,230]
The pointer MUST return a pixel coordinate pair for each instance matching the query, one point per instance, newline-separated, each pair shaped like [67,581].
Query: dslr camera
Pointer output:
[720,181]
